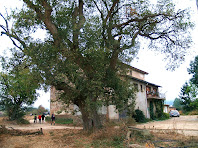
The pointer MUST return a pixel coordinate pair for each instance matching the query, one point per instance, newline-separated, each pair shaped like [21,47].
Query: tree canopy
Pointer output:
[18,87]
[188,97]
[87,41]
[193,69]
[177,104]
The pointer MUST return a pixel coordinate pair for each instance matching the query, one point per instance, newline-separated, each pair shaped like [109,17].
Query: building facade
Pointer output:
[146,94]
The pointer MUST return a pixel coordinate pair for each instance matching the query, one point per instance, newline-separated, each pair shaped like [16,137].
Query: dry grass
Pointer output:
[104,138]
[61,138]
[174,139]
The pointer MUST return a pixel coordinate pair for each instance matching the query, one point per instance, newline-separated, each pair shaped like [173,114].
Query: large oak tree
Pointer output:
[87,40]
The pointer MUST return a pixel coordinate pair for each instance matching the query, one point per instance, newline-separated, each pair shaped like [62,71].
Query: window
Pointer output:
[141,87]
[136,86]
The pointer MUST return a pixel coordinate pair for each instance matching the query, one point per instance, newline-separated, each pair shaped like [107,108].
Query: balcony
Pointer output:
[155,95]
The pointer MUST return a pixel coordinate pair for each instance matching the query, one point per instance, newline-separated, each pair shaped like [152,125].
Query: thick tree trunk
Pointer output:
[96,119]
[91,119]
[87,122]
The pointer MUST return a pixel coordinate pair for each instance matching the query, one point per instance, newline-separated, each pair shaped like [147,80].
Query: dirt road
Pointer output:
[45,125]
[187,125]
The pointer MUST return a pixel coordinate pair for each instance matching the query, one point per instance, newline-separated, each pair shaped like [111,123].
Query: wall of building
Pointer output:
[141,99]
[57,106]
[166,109]
[113,113]
[136,74]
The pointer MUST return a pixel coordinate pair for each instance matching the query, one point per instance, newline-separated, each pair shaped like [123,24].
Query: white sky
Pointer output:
[148,61]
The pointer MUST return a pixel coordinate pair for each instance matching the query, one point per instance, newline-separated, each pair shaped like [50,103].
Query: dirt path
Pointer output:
[187,125]
[45,125]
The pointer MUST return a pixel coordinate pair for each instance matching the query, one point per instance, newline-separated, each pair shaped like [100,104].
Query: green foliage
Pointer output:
[159,105]
[164,116]
[18,88]
[158,112]
[103,141]
[189,91]
[177,104]
[151,109]
[194,71]
[139,116]
[60,120]
[41,110]
[22,121]
[188,97]
[48,118]
[30,109]
[194,112]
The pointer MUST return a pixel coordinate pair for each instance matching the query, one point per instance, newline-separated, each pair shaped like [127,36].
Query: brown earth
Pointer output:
[74,137]
[187,125]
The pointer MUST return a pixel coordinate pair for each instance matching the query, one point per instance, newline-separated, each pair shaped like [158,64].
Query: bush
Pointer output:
[164,116]
[60,120]
[139,116]
[194,112]
[22,121]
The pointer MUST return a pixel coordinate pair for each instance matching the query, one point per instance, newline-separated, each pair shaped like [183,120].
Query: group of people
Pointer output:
[42,117]
[39,117]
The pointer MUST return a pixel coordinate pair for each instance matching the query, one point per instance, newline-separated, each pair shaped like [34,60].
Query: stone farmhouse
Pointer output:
[147,94]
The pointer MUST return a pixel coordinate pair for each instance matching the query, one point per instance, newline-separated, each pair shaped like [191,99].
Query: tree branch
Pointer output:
[46,18]
[138,20]
[111,10]
[10,35]
[102,15]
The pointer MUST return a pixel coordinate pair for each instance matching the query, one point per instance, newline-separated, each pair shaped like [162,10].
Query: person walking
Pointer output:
[39,117]
[43,117]
[35,118]
[53,119]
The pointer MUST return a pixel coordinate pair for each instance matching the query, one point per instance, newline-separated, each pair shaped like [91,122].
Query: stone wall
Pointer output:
[57,106]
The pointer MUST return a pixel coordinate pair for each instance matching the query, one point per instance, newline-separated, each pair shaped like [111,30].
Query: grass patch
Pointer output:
[164,116]
[116,142]
[109,137]
[60,120]
[194,112]
[22,121]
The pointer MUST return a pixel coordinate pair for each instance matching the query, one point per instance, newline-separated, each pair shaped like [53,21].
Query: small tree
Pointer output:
[41,110]
[188,96]
[194,71]
[177,104]
[18,89]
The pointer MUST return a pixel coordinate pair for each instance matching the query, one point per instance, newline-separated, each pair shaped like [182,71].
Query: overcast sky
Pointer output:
[148,61]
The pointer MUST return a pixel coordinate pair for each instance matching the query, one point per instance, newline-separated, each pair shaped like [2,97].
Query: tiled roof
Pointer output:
[143,81]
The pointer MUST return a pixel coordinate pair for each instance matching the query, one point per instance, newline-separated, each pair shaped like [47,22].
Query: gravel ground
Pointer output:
[187,125]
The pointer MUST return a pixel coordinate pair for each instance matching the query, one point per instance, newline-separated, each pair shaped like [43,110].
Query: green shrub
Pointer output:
[64,121]
[139,116]
[48,118]
[22,121]
[115,141]
[164,116]
[194,112]
[60,120]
